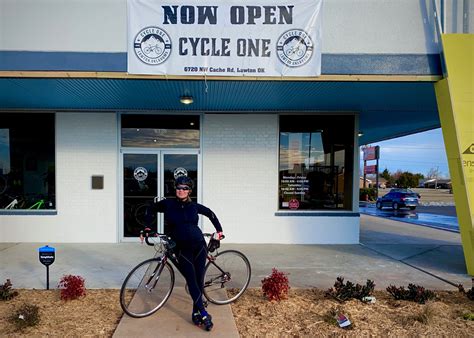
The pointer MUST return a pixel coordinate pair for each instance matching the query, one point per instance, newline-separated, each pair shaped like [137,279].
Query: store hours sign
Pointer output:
[225,38]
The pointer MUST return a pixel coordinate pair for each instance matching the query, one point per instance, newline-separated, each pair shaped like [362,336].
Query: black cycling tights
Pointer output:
[192,261]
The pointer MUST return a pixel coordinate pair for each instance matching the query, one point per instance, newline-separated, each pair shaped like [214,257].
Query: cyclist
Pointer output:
[181,218]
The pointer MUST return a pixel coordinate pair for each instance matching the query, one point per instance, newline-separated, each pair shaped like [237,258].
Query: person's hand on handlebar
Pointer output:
[219,235]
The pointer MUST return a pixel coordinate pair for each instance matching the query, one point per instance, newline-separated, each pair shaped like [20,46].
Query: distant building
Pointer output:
[434,183]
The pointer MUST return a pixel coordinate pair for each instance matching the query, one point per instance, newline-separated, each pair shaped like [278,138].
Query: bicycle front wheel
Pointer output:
[147,288]
[227,277]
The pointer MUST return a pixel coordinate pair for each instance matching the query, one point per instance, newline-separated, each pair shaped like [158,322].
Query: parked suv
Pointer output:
[398,198]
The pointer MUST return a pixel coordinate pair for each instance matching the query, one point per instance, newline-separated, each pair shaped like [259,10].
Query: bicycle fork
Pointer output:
[155,276]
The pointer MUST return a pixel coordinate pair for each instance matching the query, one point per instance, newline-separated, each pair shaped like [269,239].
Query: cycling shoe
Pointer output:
[207,322]
[196,318]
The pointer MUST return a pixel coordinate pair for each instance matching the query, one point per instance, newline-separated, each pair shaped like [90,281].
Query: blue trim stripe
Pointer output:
[381,64]
[26,212]
[63,61]
[337,64]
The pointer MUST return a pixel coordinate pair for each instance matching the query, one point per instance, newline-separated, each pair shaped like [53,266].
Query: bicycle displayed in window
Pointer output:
[20,202]
[149,285]
[16,203]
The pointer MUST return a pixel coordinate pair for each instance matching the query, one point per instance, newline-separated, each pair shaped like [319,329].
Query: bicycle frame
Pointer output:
[159,268]
[37,205]
[12,204]
[169,254]
[162,267]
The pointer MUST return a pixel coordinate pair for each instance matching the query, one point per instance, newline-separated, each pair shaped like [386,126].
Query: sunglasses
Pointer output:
[185,187]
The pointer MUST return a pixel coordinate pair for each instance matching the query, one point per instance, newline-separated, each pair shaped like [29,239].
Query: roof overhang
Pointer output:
[388,105]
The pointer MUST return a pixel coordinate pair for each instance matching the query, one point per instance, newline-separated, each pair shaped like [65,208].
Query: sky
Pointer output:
[417,153]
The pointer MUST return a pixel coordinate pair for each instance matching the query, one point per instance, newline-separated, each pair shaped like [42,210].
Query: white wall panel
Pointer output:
[63,25]
[240,183]
[349,26]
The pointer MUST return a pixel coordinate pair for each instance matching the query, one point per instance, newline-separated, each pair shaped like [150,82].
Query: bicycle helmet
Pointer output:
[184,180]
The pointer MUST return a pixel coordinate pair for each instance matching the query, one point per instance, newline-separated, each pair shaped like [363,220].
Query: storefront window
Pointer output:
[160,131]
[316,162]
[27,165]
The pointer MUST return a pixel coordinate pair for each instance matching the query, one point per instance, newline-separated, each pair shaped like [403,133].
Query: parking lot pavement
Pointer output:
[448,210]
[433,216]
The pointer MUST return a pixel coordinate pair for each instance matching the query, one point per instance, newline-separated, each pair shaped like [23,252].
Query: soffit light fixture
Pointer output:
[186,99]
[360,133]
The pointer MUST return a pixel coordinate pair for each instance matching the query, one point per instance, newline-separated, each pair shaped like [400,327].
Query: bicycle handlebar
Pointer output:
[154,234]
[163,236]
[207,234]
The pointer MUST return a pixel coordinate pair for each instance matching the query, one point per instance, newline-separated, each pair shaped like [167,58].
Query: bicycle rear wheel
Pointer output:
[227,277]
[147,288]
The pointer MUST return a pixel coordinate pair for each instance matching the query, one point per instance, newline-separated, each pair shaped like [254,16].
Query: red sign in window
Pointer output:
[293,204]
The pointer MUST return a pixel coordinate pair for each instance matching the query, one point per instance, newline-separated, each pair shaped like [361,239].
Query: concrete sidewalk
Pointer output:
[389,252]
[174,320]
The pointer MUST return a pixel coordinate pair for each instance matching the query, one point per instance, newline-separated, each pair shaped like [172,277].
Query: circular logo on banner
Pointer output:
[293,204]
[294,48]
[152,45]
[140,174]
[180,172]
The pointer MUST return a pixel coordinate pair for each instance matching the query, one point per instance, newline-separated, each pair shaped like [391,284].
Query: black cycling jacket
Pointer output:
[181,219]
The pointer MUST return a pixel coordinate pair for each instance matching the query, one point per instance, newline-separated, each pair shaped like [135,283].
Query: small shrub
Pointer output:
[469,294]
[468,316]
[343,292]
[330,315]
[72,287]
[415,293]
[26,315]
[6,291]
[276,286]
[426,316]
[369,193]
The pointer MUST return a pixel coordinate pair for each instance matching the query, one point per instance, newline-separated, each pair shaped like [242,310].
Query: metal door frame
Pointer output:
[160,152]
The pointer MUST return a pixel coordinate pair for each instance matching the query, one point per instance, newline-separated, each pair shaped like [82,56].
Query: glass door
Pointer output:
[140,187]
[150,176]
[175,165]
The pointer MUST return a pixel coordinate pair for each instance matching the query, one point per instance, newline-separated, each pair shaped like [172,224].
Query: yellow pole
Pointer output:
[455,97]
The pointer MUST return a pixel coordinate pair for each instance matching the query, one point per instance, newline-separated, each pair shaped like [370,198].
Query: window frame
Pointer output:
[52,211]
[352,209]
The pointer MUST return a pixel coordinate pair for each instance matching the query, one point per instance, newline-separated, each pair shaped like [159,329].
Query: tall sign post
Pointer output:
[370,154]
[46,257]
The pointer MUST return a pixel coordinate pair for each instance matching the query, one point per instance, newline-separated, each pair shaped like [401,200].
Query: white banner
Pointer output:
[258,38]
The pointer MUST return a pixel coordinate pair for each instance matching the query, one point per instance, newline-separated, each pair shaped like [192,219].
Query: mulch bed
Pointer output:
[306,312]
[309,313]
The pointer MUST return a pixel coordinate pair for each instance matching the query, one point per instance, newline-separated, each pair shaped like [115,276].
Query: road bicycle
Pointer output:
[21,203]
[40,204]
[16,203]
[149,285]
